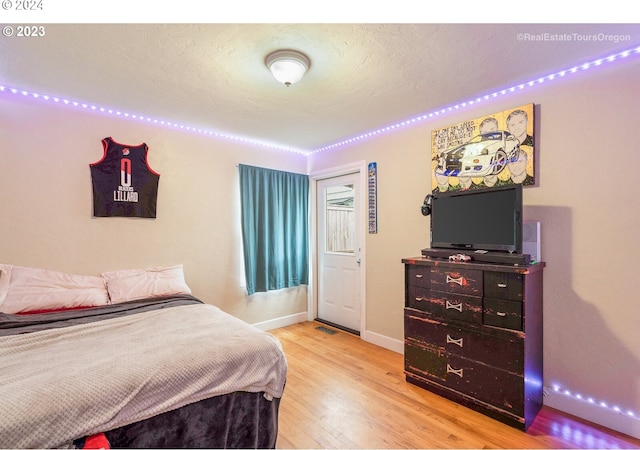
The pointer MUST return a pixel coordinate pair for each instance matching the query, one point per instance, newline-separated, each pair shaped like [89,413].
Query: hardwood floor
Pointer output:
[343,392]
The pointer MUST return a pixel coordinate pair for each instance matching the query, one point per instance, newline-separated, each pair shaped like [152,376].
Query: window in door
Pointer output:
[340,219]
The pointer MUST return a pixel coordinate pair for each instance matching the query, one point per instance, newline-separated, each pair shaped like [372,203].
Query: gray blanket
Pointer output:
[84,372]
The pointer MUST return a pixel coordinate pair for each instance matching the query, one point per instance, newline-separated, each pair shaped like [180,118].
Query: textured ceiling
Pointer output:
[362,76]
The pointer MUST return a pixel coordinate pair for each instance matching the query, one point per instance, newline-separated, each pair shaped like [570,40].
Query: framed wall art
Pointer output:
[489,151]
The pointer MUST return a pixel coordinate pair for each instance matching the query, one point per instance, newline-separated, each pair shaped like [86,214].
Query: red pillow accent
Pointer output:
[44,311]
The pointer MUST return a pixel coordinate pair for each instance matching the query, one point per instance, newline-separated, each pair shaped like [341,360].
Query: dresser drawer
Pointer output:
[418,276]
[507,286]
[502,313]
[504,350]
[446,306]
[458,281]
[488,384]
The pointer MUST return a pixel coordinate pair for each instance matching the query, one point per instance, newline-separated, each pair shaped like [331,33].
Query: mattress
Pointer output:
[69,374]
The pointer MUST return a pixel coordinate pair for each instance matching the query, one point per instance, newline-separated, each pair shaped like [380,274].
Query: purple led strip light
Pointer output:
[142,118]
[386,129]
[577,396]
[446,110]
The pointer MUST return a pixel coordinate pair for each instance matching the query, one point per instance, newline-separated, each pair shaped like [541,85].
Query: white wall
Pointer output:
[46,203]
[586,199]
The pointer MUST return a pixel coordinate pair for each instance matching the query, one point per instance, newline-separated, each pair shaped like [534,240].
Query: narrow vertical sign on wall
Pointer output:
[373,197]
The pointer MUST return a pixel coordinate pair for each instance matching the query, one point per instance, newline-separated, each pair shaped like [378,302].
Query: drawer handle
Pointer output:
[449,305]
[419,299]
[459,281]
[502,285]
[418,276]
[451,340]
[501,314]
[454,371]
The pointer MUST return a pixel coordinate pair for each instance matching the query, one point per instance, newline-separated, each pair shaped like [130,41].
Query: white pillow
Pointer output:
[32,289]
[136,284]
[5,277]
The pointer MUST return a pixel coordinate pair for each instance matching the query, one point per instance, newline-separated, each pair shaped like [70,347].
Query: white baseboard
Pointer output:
[368,336]
[606,417]
[383,341]
[282,321]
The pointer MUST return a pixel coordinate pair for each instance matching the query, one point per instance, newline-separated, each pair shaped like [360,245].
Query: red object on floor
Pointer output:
[97,441]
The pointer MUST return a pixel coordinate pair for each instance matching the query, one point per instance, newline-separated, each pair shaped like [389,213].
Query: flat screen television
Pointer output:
[483,219]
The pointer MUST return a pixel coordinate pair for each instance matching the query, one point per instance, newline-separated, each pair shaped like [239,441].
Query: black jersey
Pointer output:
[123,183]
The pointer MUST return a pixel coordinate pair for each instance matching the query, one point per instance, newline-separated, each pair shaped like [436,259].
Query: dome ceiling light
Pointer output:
[287,66]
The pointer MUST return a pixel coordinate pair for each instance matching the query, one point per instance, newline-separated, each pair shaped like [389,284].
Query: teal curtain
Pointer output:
[275,228]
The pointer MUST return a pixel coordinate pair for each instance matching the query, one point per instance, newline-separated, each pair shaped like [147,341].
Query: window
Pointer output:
[340,217]
[275,228]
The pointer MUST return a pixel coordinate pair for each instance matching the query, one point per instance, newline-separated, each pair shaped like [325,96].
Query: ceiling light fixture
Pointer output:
[287,66]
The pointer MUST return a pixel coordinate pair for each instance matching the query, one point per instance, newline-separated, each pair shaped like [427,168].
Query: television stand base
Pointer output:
[515,259]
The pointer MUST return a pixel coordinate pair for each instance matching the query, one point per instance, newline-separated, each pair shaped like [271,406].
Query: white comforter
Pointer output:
[61,384]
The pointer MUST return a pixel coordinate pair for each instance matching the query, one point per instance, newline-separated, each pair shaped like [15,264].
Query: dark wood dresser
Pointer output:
[473,334]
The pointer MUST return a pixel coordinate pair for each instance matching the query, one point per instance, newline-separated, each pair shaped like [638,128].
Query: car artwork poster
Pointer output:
[490,151]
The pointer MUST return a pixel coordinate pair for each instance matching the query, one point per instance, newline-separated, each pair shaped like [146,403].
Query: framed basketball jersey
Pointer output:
[123,183]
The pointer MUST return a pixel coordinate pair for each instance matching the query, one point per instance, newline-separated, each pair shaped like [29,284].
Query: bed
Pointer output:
[151,368]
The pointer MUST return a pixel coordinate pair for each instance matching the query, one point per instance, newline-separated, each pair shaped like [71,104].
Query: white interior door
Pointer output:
[339,250]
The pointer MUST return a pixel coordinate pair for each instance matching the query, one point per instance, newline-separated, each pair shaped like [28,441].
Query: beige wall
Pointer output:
[46,203]
[589,178]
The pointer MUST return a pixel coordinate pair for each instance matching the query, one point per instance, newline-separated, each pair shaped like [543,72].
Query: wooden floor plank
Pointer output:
[343,392]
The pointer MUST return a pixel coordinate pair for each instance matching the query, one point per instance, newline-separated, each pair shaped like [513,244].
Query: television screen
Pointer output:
[484,219]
